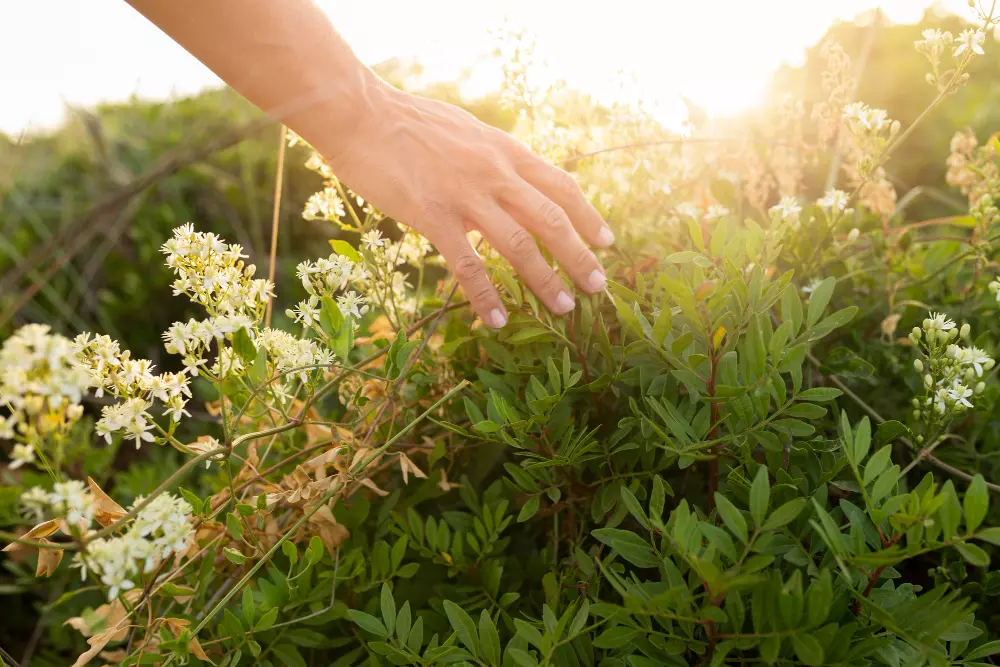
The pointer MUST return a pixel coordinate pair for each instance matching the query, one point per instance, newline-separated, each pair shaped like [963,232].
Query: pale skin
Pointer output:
[425,163]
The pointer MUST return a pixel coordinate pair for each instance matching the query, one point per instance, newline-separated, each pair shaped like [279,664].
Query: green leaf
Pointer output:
[760,496]
[267,620]
[791,309]
[243,345]
[463,625]
[819,394]
[368,622]
[888,431]
[314,552]
[615,637]
[247,606]
[388,606]
[991,535]
[234,556]
[330,317]
[528,509]
[807,647]
[819,299]
[784,514]
[234,526]
[973,554]
[489,639]
[876,464]
[983,650]
[862,441]
[818,599]
[835,321]
[630,546]
[732,517]
[976,503]
[289,655]
[342,247]
[634,508]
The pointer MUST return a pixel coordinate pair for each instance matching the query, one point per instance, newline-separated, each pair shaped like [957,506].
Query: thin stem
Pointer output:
[315,508]
[273,259]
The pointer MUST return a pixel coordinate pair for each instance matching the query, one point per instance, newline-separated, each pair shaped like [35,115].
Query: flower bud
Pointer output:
[916,415]
[989,364]
[853,235]
[980,387]
[927,323]
[953,334]
[914,339]
[964,333]
[920,438]
[928,380]
[916,330]
[919,365]
[915,403]
[930,79]
[970,375]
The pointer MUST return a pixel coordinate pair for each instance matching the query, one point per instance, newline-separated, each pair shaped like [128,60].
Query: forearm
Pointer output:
[282,55]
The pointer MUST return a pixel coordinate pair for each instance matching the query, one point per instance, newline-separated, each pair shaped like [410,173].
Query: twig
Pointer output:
[275,218]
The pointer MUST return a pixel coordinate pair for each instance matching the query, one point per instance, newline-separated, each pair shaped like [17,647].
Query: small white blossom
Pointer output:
[970,41]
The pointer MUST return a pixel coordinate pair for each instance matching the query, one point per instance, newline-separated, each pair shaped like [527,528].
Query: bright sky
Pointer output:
[716,52]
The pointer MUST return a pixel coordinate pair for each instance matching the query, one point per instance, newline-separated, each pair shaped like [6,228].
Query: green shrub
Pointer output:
[691,468]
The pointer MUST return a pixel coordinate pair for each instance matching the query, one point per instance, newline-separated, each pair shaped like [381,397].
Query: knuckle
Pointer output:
[468,267]
[565,185]
[584,256]
[520,243]
[550,281]
[552,217]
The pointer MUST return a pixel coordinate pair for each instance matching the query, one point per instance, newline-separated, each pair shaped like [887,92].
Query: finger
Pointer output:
[550,223]
[468,269]
[516,244]
[560,187]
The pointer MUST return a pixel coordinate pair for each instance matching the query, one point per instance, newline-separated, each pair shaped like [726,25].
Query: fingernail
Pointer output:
[597,281]
[605,237]
[498,318]
[564,303]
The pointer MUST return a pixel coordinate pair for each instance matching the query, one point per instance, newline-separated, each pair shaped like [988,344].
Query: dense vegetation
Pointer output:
[771,440]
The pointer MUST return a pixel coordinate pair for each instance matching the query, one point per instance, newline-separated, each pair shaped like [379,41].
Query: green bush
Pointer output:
[691,468]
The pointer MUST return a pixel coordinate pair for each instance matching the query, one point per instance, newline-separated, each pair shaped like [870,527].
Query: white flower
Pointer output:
[938,322]
[958,393]
[978,359]
[72,501]
[715,212]
[34,502]
[372,239]
[21,455]
[970,40]
[307,312]
[352,304]
[833,200]
[787,209]
[324,205]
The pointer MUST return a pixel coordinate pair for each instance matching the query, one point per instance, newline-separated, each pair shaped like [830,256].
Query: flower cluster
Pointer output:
[971,167]
[160,530]
[134,383]
[212,273]
[936,43]
[952,374]
[41,383]
[286,352]
[69,500]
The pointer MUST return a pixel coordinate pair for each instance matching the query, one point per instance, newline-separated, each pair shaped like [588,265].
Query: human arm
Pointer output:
[425,163]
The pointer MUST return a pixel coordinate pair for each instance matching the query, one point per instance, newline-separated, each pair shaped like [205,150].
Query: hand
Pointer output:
[437,169]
